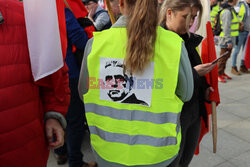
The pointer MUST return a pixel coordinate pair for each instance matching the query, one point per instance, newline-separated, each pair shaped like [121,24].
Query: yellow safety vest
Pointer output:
[243,13]
[134,134]
[235,24]
[213,14]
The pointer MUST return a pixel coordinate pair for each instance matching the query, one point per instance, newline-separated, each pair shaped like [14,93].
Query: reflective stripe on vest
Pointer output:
[135,134]
[121,114]
[133,139]
[213,14]
[235,24]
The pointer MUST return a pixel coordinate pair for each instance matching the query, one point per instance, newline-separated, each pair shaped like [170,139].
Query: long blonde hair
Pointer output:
[141,31]
[175,5]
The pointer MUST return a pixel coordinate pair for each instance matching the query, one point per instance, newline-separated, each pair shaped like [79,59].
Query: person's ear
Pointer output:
[169,13]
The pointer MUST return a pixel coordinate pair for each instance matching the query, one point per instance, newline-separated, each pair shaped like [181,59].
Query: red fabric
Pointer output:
[23,102]
[247,56]
[208,54]
[62,26]
[79,10]
[89,30]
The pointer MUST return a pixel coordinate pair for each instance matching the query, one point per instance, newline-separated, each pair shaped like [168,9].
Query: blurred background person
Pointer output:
[244,16]
[97,15]
[215,8]
[230,25]
[115,8]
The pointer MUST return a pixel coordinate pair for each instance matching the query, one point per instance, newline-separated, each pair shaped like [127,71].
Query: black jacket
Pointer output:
[196,106]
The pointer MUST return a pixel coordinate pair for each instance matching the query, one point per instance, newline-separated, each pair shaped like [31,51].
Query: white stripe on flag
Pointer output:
[43,37]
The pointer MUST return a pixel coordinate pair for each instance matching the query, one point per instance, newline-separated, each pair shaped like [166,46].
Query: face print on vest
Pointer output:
[119,86]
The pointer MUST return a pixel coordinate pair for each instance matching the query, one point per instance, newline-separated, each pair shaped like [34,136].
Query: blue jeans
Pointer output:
[241,43]
[75,128]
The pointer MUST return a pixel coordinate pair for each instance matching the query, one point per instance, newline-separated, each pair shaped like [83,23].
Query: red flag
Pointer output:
[208,54]
[79,10]
[62,26]
[247,54]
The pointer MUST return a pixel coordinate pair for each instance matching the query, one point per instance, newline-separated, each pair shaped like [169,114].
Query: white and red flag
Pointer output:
[46,34]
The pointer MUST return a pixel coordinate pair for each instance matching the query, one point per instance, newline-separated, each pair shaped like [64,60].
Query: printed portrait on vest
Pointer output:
[123,87]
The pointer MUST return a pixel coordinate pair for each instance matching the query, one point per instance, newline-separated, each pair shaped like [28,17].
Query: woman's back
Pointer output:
[131,106]
[141,108]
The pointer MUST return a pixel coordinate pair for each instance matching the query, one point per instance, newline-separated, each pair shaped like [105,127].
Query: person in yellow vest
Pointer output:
[139,61]
[214,11]
[172,17]
[215,8]
[244,15]
[227,39]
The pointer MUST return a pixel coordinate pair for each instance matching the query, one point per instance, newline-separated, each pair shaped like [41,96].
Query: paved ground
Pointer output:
[233,149]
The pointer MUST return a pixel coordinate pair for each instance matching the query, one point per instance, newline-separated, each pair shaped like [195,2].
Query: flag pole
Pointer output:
[111,14]
[67,5]
[214,126]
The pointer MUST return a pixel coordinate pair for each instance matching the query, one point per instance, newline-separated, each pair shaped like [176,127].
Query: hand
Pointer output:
[203,69]
[230,46]
[207,93]
[92,12]
[241,28]
[54,133]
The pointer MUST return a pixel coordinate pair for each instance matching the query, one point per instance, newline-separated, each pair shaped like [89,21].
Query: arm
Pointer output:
[54,92]
[185,85]
[226,18]
[75,32]
[83,78]
[55,97]
[101,21]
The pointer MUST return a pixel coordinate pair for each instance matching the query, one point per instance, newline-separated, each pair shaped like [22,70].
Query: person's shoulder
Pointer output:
[100,10]
[68,14]
[167,33]
[67,10]
[196,37]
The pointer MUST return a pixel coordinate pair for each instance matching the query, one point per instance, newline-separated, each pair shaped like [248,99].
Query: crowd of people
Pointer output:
[138,86]
[234,20]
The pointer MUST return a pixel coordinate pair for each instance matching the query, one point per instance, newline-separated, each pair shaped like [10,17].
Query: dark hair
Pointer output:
[141,31]
[86,1]
[197,4]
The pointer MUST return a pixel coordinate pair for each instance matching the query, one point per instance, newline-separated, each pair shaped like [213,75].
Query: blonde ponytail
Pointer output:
[141,30]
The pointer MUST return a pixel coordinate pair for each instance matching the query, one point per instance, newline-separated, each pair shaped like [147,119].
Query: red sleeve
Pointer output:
[55,92]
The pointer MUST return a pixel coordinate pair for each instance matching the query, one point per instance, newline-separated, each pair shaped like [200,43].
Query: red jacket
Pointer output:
[23,103]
